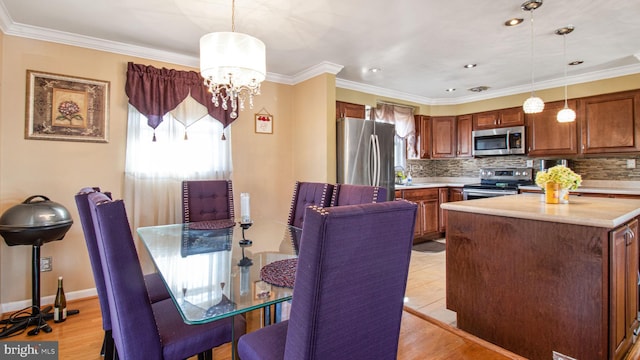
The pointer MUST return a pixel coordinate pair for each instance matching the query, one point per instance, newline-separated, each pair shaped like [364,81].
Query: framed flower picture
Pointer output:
[264,123]
[61,107]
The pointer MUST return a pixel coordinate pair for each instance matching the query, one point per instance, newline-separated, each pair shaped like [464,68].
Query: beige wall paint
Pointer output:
[58,169]
[313,148]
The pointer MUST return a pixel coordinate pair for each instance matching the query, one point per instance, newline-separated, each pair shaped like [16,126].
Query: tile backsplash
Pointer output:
[608,168]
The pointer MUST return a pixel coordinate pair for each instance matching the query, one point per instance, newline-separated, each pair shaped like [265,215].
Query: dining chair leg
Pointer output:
[109,347]
[206,355]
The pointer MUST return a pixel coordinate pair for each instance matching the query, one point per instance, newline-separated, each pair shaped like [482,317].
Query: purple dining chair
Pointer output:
[348,194]
[307,194]
[155,286]
[142,330]
[205,200]
[350,282]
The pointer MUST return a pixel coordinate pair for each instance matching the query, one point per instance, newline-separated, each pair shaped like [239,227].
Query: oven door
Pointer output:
[470,194]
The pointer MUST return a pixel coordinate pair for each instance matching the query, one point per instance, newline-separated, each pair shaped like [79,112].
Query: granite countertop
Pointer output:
[589,211]
[422,183]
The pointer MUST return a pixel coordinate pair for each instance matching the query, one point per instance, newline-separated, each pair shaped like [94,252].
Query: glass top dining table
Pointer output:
[212,271]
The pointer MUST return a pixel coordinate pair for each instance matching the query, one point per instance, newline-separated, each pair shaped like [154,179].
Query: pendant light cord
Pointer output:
[564,58]
[532,55]
[233,15]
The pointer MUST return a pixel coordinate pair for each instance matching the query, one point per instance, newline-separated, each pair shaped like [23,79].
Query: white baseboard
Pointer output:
[47,300]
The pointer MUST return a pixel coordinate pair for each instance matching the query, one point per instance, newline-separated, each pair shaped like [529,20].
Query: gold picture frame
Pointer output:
[61,107]
[264,123]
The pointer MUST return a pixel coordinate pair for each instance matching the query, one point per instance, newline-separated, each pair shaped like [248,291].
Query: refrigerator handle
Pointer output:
[375,147]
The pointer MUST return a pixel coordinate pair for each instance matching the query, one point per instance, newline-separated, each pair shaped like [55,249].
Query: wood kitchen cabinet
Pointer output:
[443,197]
[423,136]
[455,194]
[345,109]
[623,288]
[443,137]
[498,118]
[427,217]
[464,142]
[610,123]
[547,137]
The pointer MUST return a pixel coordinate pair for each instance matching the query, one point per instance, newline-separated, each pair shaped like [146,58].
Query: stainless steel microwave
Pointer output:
[500,141]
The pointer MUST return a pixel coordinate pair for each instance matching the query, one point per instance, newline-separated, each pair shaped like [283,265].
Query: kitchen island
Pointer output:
[538,278]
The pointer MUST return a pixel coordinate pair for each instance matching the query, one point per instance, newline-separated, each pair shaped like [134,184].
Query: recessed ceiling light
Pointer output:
[513,22]
[531,5]
[479,88]
[375,70]
[450,90]
[577,62]
[469,66]
[564,30]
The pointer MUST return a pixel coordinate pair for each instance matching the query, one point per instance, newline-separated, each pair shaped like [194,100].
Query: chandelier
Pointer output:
[533,104]
[566,114]
[233,66]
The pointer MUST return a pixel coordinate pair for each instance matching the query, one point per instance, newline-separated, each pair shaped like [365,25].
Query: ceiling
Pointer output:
[419,45]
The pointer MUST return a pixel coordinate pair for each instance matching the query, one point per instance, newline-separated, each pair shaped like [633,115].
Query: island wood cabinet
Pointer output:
[498,118]
[547,137]
[610,123]
[345,109]
[534,287]
[624,288]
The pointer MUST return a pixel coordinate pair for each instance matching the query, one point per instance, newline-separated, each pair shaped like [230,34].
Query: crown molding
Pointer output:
[375,90]
[321,68]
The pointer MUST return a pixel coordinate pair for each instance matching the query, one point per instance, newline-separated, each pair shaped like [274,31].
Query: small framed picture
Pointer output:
[264,123]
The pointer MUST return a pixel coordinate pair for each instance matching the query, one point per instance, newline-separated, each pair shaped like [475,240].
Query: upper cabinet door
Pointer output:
[423,136]
[345,109]
[498,118]
[443,137]
[610,123]
[464,142]
[546,136]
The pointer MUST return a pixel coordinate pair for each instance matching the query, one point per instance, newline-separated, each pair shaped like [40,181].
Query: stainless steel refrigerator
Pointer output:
[365,151]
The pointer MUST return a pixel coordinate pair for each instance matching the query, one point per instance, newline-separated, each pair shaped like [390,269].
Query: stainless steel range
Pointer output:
[498,182]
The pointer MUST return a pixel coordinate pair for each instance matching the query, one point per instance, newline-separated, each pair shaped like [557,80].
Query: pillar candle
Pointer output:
[245,211]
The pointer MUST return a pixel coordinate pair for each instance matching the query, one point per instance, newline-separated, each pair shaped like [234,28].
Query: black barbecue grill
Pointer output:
[36,221]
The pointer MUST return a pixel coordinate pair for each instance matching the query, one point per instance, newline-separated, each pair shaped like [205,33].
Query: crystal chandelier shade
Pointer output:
[233,66]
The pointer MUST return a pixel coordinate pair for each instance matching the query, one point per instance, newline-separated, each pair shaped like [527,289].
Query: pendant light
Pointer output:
[533,104]
[566,114]
[233,66]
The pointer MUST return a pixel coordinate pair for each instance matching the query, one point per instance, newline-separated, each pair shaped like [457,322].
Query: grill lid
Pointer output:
[33,213]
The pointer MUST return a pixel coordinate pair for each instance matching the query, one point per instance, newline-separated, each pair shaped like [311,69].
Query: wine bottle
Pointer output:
[60,304]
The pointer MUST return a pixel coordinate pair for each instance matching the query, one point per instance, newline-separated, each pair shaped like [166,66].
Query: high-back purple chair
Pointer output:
[308,194]
[205,200]
[347,194]
[155,286]
[142,330]
[349,288]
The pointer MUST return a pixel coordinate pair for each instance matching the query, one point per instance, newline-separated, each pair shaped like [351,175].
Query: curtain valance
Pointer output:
[154,92]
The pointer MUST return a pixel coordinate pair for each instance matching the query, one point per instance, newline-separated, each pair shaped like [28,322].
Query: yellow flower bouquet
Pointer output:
[561,175]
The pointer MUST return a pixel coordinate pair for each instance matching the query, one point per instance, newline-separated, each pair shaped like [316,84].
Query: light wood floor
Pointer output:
[426,331]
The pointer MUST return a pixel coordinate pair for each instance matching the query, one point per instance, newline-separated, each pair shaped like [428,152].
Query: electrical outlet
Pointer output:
[631,163]
[46,264]
[559,356]
[529,163]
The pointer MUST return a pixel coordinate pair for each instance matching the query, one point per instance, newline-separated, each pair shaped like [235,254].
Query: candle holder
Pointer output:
[245,261]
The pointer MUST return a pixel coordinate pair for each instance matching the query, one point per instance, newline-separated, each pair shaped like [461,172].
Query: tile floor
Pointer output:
[426,285]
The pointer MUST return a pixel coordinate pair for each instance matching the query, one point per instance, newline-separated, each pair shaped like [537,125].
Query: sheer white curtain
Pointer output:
[154,170]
